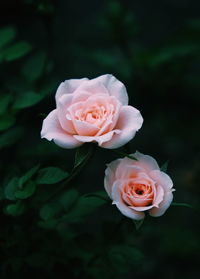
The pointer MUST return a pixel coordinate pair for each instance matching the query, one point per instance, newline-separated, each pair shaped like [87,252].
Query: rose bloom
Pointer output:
[93,110]
[138,186]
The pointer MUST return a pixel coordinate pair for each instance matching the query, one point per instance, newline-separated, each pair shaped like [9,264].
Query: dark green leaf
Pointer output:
[28,99]
[123,256]
[6,121]
[11,188]
[7,34]
[99,194]
[16,51]
[51,175]
[50,210]
[84,206]
[82,154]
[5,100]
[34,66]
[16,209]
[27,191]
[28,175]
[165,166]
[68,198]
[11,137]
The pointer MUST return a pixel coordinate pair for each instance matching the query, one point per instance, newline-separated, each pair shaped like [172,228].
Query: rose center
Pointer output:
[139,191]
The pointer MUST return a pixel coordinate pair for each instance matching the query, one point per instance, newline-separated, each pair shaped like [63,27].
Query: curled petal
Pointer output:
[110,176]
[118,201]
[115,87]
[99,139]
[162,179]
[68,87]
[163,206]
[63,104]
[52,130]
[129,122]
[145,161]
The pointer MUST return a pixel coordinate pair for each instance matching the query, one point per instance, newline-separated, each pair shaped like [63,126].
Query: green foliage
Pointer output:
[16,209]
[34,66]
[51,175]
[16,51]
[11,136]
[28,99]
[82,154]
[7,34]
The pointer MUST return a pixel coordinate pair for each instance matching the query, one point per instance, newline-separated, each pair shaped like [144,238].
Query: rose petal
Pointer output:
[115,87]
[163,206]
[145,161]
[125,171]
[93,87]
[162,179]
[52,130]
[84,128]
[62,105]
[130,121]
[159,195]
[99,139]
[125,210]
[110,175]
[68,86]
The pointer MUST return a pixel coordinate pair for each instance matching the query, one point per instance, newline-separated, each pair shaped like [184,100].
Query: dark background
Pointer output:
[153,48]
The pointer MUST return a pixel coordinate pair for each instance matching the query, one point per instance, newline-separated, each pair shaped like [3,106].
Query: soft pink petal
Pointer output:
[93,87]
[125,210]
[98,139]
[141,208]
[81,96]
[130,121]
[84,128]
[125,171]
[163,206]
[159,196]
[52,130]
[162,179]
[115,87]
[62,105]
[110,175]
[145,161]
[69,86]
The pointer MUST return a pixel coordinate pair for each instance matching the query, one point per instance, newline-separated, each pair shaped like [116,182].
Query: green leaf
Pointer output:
[165,166]
[27,191]
[11,188]
[11,137]
[16,209]
[28,99]
[99,194]
[138,223]
[16,51]
[5,100]
[51,175]
[34,66]
[7,34]
[6,121]
[84,206]
[28,175]
[83,153]
[123,256]
[50,210]
[68,198]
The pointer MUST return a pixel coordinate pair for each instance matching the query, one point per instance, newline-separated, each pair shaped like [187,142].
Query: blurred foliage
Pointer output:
[56,220]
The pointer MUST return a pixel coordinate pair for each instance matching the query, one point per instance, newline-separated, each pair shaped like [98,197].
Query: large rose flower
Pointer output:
[138,186]
[93,110]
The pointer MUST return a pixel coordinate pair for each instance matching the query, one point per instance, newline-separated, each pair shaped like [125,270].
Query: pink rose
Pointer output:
[138,186]
[93,110]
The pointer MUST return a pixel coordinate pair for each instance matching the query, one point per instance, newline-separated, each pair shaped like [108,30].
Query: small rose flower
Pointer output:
[93,110]
[138,186]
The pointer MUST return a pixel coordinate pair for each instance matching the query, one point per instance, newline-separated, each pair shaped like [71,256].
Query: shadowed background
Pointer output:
[153,48]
